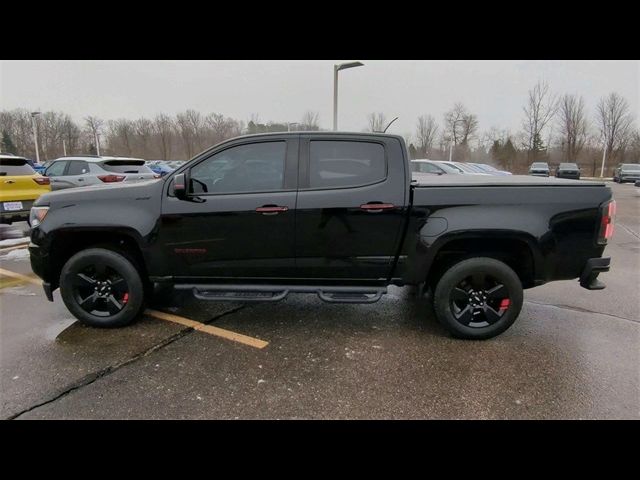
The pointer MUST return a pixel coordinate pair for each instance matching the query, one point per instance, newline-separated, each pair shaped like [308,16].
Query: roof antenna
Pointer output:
[385,130]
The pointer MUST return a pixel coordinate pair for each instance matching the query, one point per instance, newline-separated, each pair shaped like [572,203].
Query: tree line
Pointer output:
[555,128]
[162,137]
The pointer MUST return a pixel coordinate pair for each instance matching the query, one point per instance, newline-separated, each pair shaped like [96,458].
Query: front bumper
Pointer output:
[590,272]
[40,266]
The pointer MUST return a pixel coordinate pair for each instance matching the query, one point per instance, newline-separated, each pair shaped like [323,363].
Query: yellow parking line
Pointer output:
[15,247]
[19,276]
[210,329]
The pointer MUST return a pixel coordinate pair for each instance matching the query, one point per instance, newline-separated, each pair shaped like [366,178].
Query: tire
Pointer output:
[102,288]
[496,296]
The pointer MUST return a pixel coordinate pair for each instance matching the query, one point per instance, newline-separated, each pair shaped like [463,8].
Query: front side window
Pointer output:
[56,169]
[337,164]
[255,167]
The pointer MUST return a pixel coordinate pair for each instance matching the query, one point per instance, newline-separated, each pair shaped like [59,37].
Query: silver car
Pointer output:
[80,171]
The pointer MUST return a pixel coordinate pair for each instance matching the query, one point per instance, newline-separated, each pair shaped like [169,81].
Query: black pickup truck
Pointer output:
[335,214]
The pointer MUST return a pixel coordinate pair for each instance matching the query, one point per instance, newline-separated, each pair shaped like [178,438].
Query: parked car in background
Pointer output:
[81,171]
[429,167]
[160,167]
[568,170]
[21,186]
[491,170]
[539,169]
[626,172]
[469,169]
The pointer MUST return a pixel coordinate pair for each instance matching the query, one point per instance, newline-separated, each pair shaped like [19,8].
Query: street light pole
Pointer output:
[336,69]
[35,134]
[97,135]
[604,157]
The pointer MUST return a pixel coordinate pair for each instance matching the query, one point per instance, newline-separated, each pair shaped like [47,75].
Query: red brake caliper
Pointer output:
[125,299]
[504,304]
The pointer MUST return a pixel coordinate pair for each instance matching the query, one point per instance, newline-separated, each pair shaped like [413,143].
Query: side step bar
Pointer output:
[274,293]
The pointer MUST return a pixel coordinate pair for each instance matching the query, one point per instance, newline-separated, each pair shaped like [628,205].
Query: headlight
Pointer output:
[37,214]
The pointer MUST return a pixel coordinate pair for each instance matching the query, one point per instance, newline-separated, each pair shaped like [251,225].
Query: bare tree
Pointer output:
[94,128]
[541,107]
[615,123]
[573,125]
[377,122]
[163,128]
[426,132]
[310,121]
[469,127]
[453,123]
[120,134]
[143,129]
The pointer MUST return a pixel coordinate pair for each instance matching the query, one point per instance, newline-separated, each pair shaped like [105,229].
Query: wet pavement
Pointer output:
[571,354]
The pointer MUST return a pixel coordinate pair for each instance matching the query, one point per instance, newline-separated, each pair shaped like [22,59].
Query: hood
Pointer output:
[94,193]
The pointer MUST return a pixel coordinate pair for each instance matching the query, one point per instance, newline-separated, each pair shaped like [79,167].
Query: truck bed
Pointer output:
[425,180]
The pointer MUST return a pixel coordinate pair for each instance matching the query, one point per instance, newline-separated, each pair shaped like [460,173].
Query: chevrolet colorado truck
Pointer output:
[336,214]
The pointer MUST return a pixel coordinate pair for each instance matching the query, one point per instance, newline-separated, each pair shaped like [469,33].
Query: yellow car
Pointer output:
[20,185]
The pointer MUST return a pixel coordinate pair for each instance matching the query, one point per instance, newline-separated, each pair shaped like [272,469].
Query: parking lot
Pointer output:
[572,353]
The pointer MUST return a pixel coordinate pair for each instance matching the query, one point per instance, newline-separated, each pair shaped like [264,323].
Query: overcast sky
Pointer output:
[283,90]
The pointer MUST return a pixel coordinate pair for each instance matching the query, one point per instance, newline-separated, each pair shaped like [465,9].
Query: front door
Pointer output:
[241,223]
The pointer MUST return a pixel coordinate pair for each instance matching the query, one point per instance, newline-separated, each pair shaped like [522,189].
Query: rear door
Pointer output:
[78,173]
[351,203]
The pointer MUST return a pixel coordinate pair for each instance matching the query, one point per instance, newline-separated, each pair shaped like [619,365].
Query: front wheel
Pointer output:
[102,288]
[478,298]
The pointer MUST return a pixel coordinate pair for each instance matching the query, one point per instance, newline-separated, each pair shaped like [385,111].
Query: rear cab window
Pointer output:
[15,167]
[345,163]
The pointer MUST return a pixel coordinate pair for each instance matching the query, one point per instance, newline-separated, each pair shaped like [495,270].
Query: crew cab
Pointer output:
[335,214]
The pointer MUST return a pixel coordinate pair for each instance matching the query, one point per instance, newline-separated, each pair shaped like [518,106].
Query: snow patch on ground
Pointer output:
[10,242]
[18,254]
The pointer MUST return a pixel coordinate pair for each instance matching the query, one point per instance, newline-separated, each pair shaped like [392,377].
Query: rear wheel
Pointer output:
[478,298]
[102,288]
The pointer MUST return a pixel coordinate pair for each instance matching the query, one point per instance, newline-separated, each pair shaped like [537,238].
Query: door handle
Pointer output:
[373,207]
[81,179]
[271,209]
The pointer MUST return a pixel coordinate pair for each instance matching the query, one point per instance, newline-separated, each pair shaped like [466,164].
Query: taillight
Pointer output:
[157,175]
[42,180]
[607,218]
[111,178]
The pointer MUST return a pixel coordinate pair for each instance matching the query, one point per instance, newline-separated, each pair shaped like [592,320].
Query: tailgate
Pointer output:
[21,187]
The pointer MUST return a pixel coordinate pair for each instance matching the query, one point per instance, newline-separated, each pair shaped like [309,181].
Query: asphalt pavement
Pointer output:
[572,353]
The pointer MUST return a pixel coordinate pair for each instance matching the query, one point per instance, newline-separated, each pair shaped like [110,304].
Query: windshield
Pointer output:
[466,168]
[450,168]
[631,166]
[539,165]
[485,167]
[569,165]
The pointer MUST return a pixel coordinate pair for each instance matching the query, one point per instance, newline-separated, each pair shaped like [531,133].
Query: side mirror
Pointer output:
[180,186]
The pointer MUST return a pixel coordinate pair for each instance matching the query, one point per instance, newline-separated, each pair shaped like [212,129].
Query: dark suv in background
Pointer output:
[568,170]
[627,172]
[539,169]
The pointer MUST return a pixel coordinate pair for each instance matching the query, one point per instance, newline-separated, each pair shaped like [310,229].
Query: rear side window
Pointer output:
[336,164]
[18,166]
[126,166]
[78,167]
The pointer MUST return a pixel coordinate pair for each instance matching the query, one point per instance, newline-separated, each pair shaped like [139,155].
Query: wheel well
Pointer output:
[515,253]
[67,244]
